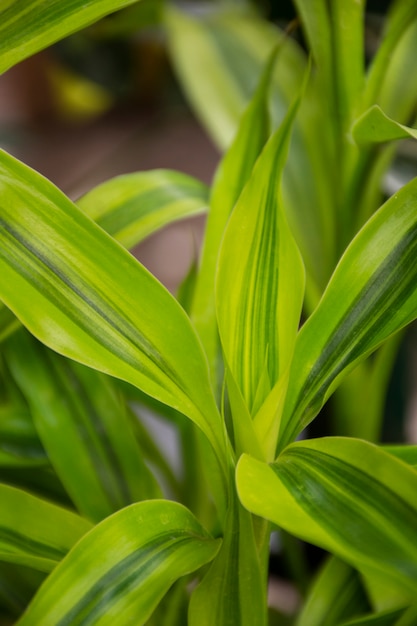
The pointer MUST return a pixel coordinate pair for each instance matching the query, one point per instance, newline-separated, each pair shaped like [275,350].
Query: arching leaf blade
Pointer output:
[93,302]
[30,26]
[346,495]
[371,295]
[133,206]
[121,570]
[84,428]
[34,532]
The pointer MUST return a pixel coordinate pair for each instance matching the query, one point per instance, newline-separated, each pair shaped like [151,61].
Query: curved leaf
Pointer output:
[346,495]
[84,428]
[336,594]
[376,127]
[27,26]
[133,206]
[120,571]
[372,294]
[93,302]
[34,532]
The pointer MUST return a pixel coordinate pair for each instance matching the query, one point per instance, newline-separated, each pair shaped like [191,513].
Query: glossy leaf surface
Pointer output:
[34,532]
[84,427]
[120,571]
[32,25]
[93,302]
[372,294]
[346,495]
[133,206]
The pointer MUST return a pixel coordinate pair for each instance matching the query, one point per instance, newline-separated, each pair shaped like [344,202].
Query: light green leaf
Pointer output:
[93,302]
[231,176]
[34,532]
[335,595]
[372,294]
[376,127]
[84,427]
[231,593]
[121,570]
[133,206]
[345,495]
[27,26]
[260,280]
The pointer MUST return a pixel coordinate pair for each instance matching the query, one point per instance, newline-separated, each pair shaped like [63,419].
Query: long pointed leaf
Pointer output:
[346,495]
[92,301]
[84,428]
[133,206]
[231,176]
[32,25]
[34,532]
[372,294]
[260,280]
[120,570]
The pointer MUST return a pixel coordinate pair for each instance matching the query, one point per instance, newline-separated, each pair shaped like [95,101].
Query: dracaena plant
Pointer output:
[86,535]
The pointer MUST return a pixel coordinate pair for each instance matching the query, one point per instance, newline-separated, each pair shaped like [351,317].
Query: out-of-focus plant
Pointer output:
[87,534]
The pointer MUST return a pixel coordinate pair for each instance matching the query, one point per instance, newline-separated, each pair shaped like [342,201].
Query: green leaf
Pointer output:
[121,570]
[382,618]
[345,495]
[231,176]
[372,294]
[32,25]
[84,427]
[19,442]
[232,47]
[133,206]
[18,585]
[260,279]
[93,302]
[336,594]
[8,322]
[231,593]
[34,532]
[376,127]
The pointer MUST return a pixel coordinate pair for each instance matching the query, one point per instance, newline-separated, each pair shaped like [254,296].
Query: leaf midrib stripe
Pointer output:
[321,374]
[22,544]
[122,578]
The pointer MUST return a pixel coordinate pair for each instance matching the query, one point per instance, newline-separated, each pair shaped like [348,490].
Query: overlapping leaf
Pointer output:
[84,427]
[133,206]
[27,26]
[336,594]
[372,294]
[346,495]
[232,594]
[120,570]
[93,302]
[34,532]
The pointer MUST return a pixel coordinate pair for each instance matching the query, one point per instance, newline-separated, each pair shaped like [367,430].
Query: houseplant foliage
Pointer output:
[87,536]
